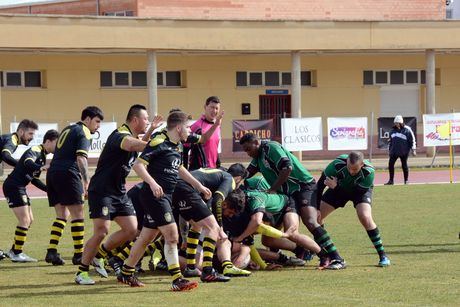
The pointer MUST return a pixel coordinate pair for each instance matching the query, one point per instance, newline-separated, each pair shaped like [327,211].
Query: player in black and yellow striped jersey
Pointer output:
[27,170]
[9,143]
[67,181]
[159,166]
[107,196]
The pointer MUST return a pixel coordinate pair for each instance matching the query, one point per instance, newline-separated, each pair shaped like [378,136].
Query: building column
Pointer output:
[430,98]
[296,95]
[152,82]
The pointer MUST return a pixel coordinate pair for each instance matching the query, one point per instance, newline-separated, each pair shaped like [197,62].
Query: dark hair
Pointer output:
[175,110]
[355,157]
[248,137]
[175,119]
[27,124]
[238,169]
[134,111]
[236,200]
[92,112]
[212,99]
[50,135]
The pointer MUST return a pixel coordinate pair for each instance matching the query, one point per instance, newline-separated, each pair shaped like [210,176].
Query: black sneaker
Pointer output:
[213,276]
[336,264]
[76,259]
[389,182]
[182,284]
[53,257]
[130,280]
[116,264]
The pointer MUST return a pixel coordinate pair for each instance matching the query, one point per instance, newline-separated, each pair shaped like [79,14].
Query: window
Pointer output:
[256,78]
[241,78]
[368,77]
[305,78]
[119,13]
[21,79]
[286,78]
[412,77]
[139,79]
[422,77]
[381,77]
[272,78]
[1,78]
[396,77]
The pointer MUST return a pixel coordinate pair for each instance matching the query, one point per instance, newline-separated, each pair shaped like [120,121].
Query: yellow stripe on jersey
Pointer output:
[37,148]
[143,161]
[29,159]
[7,150]
[124,138]
[124,129]
[219,192]
[209,170]
[81,151]
[157,140]
[86,131]
[233,184]
[15,139]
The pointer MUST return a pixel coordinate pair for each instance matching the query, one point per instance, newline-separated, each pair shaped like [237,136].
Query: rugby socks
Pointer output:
[149,250]
[172,259]
[77,227]
[209,245]
[374,235]
[226,264]
[192,244]
[57,228]
[102,252]
[82,268]
[124,254]
[20,236]
[127,270]
[324,241]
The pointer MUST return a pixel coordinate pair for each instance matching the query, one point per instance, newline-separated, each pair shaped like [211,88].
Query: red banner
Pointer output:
[263,129]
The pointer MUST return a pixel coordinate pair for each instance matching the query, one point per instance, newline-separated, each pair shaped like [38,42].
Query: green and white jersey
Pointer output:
[271,204]
[272,159]
[348,183]
[256,183]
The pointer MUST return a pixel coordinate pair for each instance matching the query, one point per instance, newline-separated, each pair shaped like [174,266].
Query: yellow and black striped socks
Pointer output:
[82,268]
[209,245]
[127,270]
[20,237]
[226,264]
[124,253]
[57,228]
[172,259]
[102,252]
[77,227]
[192,244]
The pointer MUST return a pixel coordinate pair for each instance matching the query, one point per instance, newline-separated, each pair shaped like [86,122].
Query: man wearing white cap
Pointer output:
[401,141]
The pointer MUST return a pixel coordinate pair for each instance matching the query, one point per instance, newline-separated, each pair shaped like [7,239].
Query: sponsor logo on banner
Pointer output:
[302,133]
[263,129]
[347,133]
[436,129]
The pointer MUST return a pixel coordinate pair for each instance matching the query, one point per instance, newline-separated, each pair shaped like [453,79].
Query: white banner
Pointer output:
[38,138]
[436,129]
[100,138]
[302,134]
[347,133]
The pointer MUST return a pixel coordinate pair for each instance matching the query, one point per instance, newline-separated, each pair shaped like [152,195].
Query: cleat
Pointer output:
[83,278]
[192,272]
[130,280]
[308,256]
[2,255]
[384,262]
[162,265]
[389,183]
[233,271]
[53,257]
[294,261]
[323,262]
[76,259]
[99,266]
[213,276]
[336,264]
[116,264]
[406,181]
[182,284]
[21,257]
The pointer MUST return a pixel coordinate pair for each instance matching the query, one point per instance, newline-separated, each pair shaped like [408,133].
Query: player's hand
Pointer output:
[273,266]
[85,190]
[156,189]
[205,191]
[219,117]
[44,168]
[222,235]
[238,239]
[331,182]
[157,121]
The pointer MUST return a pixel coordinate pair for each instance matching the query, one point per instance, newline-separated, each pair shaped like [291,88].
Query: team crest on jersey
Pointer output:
[168,217]
[182,203]
[175,164]
[105,211]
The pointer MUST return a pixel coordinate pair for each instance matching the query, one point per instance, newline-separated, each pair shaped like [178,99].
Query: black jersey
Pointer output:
[9,143]
[73,141]
[216,180]
[28,166]
[163,159]
[114,165]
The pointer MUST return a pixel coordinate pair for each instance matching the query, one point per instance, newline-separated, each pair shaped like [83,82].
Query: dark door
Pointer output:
[275,107]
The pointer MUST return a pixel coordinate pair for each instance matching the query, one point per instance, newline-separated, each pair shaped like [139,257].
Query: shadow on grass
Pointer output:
[423,245]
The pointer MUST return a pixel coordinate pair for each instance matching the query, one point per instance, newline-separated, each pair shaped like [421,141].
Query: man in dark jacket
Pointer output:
[401,141]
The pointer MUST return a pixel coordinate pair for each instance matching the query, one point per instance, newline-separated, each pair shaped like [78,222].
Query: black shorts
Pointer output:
[134,196]
[188,203]
[15,196]
[338,199]
[65,188]
[278,219]
[306,196]
[157,211]
[108,207]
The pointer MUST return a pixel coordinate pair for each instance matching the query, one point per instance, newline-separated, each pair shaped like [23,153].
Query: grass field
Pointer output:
[420,225]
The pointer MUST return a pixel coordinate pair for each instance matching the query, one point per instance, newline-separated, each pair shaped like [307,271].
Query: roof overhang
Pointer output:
[25,33]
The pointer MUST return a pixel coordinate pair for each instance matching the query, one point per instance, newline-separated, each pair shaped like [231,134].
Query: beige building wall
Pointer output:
[72,82]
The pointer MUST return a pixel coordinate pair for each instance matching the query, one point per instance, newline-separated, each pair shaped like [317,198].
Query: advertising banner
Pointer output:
[299,134]
[385,124]
[436,129]
[263,129]
[38,138]
[347,133]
